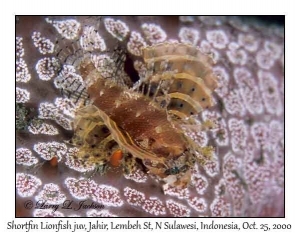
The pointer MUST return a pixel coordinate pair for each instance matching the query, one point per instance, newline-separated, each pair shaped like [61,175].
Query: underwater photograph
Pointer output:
[149,116]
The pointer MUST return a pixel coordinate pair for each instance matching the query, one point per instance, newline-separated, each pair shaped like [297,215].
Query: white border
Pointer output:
[7,41]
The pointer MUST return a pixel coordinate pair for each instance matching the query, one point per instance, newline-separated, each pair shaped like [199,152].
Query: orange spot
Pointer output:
[116,157]
[54,161]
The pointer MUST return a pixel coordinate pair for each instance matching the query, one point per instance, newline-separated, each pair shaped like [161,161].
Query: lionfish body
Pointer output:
[144,125]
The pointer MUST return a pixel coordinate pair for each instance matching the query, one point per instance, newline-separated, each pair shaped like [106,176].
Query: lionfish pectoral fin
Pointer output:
[182,74]
[69,51]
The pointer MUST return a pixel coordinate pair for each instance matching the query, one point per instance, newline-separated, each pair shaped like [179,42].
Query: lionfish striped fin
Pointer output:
[70,52]
[181,73]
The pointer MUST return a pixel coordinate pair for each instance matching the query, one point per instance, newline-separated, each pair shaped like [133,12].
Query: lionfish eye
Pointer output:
[105,130]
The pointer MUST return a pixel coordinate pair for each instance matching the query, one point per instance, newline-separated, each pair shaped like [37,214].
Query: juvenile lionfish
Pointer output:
[143,124]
